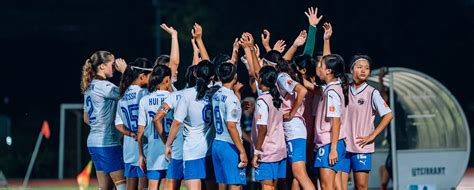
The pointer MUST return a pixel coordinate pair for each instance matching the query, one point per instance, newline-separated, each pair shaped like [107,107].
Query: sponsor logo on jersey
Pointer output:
[235,113]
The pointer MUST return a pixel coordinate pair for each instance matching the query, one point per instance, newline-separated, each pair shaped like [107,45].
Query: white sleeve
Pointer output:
[334,105]
[286,83]
[142,119]
[181,110]
[171,100]
[233,110]
[118,115]
[110,91]
[379,104]
[262,112]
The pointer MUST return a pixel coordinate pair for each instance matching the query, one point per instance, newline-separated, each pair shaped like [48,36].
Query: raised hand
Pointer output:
[327,30]
[266,40]
[246,41]
[257,50]
[170,30]
[235,46]
[196,32]
[301,39]
[279,46]
[312,15]
[120,65]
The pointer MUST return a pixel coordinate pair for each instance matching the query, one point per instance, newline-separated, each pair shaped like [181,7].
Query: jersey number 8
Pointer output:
[218,121]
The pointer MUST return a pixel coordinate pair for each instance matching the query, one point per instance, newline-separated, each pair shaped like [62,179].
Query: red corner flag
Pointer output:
[84,177]
[45,129]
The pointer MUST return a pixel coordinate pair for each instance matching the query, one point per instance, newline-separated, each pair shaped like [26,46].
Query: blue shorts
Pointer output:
[107,159]
[132,171]
[226,159]
[175,170]
[201,168]
[296,150]
[322,158]
[357,162]
[270,170]
[156,174]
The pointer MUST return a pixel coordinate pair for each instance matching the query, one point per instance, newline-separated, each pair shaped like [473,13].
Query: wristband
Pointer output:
[257,152]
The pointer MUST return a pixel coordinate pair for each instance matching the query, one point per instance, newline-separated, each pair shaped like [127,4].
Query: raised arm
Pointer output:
[235,51]
[266,40]
[174,55]
[313,21]
[255,60]
[327,36]
[196,32]
[196,57]
[247,43]
[299,41]
[280,46]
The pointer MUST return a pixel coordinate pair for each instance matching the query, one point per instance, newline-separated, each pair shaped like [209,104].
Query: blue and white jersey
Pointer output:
[177,146]
[226,108]
[100,103]
[127,114]
[149,105]
[197,117]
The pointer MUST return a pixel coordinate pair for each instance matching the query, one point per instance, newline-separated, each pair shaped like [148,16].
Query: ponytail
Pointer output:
[299,75]
[202,87]
[87,74]
[89,70]
[276,97]
[204,73]
[269,77]
[345,87]
[126,80]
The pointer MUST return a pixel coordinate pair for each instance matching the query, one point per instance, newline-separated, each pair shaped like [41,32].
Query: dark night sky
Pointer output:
[45,43]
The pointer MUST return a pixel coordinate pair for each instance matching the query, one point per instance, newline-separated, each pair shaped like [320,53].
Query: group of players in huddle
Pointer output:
[308,117]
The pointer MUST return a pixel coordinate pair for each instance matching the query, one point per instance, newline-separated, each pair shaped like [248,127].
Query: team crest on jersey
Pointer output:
[289,82]
[332,108]
[361,101]
[235,113]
